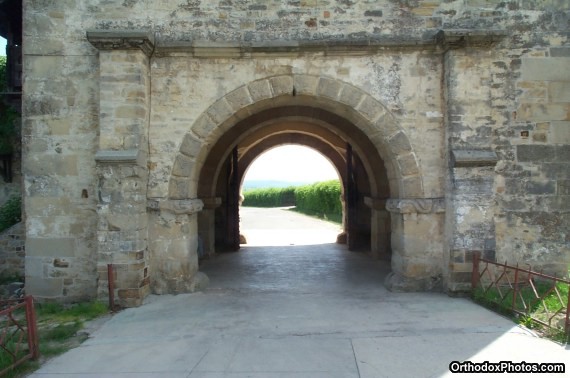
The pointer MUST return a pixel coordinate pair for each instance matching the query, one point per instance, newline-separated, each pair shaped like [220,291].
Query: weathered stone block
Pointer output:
[260,90]
[179,188]
[183,166]
[560,132]
[536,153]
[305,84]
[50,247]
[203,126]
[281,85]
[559,91]
[412,187]
[545,69]
[399,144]
[370,109]
[408,164]
[239,98]
[329,88]
[350,95]
[44,287]
[220,111]
[544,112]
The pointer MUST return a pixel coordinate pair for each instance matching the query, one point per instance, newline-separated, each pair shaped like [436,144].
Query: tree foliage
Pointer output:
[3,74]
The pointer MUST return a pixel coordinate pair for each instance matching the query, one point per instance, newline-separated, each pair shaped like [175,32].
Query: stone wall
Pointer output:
[12,251]
[477,88]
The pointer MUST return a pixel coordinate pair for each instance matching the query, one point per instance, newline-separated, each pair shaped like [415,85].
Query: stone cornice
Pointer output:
[441,40]
[144,40]
[177,207]
[416,205]
[122,40]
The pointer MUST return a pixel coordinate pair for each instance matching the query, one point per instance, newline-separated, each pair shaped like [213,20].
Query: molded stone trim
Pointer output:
[122,40]
[474,158]
[441,40]
[177,207]
[459,38]
[416,205]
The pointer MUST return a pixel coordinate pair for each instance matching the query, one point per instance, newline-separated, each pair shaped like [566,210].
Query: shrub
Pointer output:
[321,199]
[10,213]
[271,197]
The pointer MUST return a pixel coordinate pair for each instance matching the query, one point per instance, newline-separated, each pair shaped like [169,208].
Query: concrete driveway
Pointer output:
[301,310]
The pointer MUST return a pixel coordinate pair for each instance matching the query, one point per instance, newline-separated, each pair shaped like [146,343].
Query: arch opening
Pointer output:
[384,182]
[361,170]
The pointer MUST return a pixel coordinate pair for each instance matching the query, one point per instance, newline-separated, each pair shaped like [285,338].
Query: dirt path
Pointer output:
[282,226]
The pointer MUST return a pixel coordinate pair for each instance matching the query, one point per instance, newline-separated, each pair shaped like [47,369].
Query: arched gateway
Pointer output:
[383,196]
[451,137]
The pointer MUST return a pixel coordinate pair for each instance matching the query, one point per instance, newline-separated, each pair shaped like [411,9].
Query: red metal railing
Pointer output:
[19,334]
[525,292]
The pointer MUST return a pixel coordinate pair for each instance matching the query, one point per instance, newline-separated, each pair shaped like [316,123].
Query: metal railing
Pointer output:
[532,294]
[18,333]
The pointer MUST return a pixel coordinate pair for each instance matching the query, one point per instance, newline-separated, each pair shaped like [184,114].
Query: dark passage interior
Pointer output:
[362,174]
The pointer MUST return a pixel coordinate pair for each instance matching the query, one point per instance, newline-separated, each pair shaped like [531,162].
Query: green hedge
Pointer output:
[321,199]
[272,197]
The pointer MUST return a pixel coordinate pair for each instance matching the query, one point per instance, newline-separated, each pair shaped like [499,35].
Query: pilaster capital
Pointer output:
[415,205]
[177,207]
[122,40]
[211,202]
[375,203]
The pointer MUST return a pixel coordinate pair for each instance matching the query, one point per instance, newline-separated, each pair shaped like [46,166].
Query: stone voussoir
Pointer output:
[329,88]
[305,84]
[260,90]
[281,85]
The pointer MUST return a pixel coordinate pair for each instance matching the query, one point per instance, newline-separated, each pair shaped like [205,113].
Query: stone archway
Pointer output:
[369,129]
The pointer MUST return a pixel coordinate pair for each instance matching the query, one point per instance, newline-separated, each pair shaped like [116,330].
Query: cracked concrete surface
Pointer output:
[299,311]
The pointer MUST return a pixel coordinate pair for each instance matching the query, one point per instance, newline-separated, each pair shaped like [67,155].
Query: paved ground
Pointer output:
[304,311]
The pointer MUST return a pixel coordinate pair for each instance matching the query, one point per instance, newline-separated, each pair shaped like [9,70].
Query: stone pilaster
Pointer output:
[174,246]
[207,225]
[417,244]
[122,162]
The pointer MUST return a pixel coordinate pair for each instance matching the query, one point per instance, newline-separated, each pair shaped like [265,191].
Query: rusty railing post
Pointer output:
[515,284]
[111,280]
[32,327]
[475,271]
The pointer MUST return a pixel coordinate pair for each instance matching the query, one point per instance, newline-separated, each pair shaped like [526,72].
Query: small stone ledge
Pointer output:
[177,207]
[122,40]
[212,202]
[416,205]
[375,203]
[459,38]
[117,156]
[474,158]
